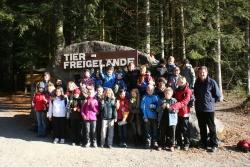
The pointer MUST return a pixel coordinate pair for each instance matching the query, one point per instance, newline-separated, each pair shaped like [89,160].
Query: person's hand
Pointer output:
[50,119]
[115,120]
[75,109]
[167,106]
[145,120]
[164,105]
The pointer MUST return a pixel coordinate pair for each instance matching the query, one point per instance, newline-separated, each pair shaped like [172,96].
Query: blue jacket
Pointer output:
[206,94]
[108,80]
[149,105]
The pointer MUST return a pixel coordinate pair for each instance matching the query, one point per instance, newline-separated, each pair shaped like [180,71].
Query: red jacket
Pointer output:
[40,102]
[124,107]
[183,97]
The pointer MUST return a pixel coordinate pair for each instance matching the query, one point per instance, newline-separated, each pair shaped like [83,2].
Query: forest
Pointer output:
[215,33]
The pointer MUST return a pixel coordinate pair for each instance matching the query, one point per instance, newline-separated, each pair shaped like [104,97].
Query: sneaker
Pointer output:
[124,145]
[73,144]
[101,146]
[172,149]
[62,141]
[94,145]
[109,146]
[214,149]
[56,140]
[87,145]
[178,147]
[186,147]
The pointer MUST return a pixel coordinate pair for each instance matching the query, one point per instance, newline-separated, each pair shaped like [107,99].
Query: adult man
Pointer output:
[206,92]
[188,73]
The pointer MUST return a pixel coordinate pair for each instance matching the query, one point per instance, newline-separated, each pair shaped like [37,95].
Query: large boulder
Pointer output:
[90,47]
[194,127]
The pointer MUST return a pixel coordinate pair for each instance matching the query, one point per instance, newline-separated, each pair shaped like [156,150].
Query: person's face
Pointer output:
[168,94]
[202,74]
[171,60]
[150,91]
[131,67]
[108,94]
[71,87]
[87,74]
[161,85]
[110,72]
[133,94]
[122,95]
[58,92]
[41,89]
[46,77]
[179,83]
[176,71]
[59,82]
[99,91]
[143,71]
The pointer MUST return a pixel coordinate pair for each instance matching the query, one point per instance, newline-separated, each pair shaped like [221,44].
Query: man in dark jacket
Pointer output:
[206,92]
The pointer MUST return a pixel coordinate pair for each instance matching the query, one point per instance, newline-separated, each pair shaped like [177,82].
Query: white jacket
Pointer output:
[57,108]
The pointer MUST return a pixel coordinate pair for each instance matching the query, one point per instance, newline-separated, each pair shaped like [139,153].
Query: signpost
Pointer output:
[95,60]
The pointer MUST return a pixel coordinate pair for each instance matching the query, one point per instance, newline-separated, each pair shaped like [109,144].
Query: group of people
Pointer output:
[155,107]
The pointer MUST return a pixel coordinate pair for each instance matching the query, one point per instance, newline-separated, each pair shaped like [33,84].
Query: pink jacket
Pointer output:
[90,109]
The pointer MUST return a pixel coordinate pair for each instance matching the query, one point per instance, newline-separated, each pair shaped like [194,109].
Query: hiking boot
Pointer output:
[214,149]
[56,140]
[186,147]
[62,141]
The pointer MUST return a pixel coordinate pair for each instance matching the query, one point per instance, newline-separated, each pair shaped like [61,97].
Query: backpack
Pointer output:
[244,145]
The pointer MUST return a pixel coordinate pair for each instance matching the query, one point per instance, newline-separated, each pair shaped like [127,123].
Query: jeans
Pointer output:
[90,127]
[182,130]
[207,119]
[41,123]
[107,125]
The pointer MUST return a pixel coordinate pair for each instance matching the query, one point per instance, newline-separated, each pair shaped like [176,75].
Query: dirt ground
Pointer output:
[19,146]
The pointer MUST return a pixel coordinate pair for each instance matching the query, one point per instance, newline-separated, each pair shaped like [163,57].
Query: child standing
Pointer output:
[167,120]
[57,114]
[182,94]
[135,116]
[109,117]
[122,107]
[88,111]
[39,103]
[149,105]
[75,116]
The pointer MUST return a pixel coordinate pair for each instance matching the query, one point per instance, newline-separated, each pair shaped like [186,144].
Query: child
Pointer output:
[119,83]
[86,82]
[39,103]
[57,114]
[135,114]
[144,80]
[97,79]
[88,111]
[122,107]
[167,120]
[75,116]
[108,77]
[109,117]
[99,97]
[182,95]
[149,105]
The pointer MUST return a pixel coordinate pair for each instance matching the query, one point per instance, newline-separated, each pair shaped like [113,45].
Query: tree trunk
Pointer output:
[171,32]
[183,32]
[148,27]
[162,29]
[103,21]
[219,77]
[248,55]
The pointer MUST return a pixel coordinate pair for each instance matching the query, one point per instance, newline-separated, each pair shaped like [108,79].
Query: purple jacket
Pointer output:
[89,109]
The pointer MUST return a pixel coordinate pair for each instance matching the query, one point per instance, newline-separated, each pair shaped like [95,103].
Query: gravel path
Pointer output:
[20,147]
